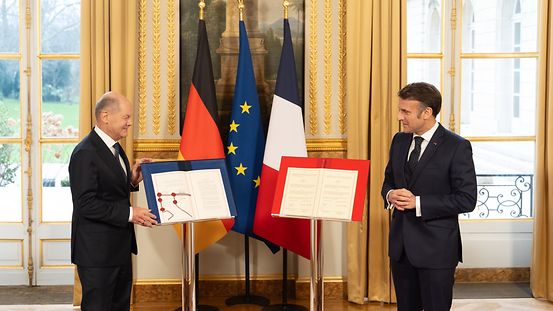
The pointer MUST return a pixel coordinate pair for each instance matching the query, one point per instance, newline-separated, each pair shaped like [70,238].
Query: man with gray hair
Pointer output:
[102,230]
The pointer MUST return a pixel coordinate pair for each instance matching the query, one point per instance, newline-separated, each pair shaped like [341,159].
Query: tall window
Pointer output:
[39,121]
[10,114]
[517,28]
[59,70]
[486,70]
[424,48]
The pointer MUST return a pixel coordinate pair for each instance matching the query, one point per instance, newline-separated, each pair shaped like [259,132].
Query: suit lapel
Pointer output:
[127,165]
[106,155]
[402,155]
[431,148]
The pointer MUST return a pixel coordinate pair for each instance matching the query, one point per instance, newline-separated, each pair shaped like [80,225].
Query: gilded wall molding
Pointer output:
[156,145]
[453,20]
[157,81]
[313,115]
[142,66]
[327,66]
[173,145]
[170,290]
[318,145]
[171,69]
[28,15]
[28,149]
[325,87]
[342,114]
[156,70]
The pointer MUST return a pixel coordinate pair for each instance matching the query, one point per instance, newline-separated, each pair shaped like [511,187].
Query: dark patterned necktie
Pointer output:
[118,150]
[414,156]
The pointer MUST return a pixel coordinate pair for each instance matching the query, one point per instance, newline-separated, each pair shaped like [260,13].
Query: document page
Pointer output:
[173,196]
[300,192]
[209,194]
[337,194]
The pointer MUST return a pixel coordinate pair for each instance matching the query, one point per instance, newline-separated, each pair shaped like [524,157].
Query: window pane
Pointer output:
[10,108]
[488,95]
[10,183]
[424,26]
[60,26]
[60,98]
[424,70]
[489,26]
[9,26]
[56,195]
[505,176]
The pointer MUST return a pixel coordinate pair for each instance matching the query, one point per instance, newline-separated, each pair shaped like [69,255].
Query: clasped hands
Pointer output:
[402,199]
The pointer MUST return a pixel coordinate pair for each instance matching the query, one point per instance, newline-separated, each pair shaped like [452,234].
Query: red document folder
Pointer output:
[287,163]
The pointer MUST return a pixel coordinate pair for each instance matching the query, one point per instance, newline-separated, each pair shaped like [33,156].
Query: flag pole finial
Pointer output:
[201,5]
[285,4]
[241,9]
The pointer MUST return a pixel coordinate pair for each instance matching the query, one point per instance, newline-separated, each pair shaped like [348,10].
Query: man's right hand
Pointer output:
[143,217]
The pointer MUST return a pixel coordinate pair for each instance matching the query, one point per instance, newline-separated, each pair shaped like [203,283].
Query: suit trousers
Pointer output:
[421,288]
[106,288]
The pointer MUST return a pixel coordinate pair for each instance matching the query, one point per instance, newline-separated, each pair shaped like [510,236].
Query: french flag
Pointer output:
[286,137]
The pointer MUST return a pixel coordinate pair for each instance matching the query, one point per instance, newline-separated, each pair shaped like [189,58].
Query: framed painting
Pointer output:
[264,23]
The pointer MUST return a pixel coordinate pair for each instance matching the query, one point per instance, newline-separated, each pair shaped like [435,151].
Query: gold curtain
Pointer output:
[375,67]
[108,45]
[541,279]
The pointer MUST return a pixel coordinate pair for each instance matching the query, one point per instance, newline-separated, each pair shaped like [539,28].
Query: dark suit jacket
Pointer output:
[445,180]
[101,235]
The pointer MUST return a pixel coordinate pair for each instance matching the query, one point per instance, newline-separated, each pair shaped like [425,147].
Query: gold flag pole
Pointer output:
[201,5]
[241,7]
[285,4]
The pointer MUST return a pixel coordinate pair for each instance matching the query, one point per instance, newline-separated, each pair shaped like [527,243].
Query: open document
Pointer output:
[185,191]
[318,188]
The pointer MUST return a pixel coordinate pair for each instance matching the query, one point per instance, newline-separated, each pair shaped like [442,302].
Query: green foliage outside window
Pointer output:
[8,167]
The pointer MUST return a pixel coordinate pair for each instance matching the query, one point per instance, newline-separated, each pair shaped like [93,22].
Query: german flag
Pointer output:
[201,138]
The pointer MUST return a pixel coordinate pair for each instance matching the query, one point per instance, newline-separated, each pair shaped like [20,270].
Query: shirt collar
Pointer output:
[428,134]
[105,138]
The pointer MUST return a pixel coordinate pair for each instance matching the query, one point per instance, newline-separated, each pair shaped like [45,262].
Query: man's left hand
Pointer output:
[137,171]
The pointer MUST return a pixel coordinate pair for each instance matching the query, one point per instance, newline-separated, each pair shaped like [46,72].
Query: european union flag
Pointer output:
[246,140]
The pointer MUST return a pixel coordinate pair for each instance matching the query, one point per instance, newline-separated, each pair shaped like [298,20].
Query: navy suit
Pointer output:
[445,181]
[102,238]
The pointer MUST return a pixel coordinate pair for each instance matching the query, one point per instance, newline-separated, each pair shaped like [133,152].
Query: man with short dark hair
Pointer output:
[429,180]
[102,230]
